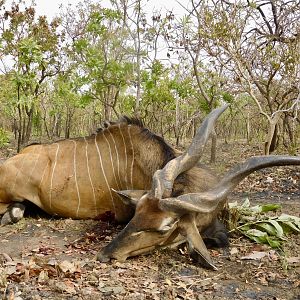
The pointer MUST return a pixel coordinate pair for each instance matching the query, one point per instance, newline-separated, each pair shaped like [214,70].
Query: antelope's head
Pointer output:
[161,220]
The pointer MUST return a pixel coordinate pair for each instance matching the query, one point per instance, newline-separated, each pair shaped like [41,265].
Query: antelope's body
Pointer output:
[76,177]
[132,172]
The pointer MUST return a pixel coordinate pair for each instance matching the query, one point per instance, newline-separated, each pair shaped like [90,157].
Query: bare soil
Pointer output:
[47,258]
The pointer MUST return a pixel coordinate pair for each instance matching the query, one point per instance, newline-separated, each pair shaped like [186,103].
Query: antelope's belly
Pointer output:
[82,201]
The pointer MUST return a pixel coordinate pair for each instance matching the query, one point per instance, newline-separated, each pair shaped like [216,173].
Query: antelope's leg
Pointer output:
[4,207]
[14,213]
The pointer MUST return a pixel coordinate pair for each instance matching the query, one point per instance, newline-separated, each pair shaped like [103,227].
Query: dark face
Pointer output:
[150,228]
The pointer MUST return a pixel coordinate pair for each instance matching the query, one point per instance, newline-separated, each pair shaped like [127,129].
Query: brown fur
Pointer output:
[47,176]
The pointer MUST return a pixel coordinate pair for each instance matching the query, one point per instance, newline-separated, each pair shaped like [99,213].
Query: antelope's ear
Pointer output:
[131,196]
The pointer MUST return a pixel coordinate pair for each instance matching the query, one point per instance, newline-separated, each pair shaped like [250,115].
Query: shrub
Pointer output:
[4,137]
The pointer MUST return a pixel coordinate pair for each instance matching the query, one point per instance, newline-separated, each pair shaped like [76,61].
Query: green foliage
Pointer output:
[99,18]
[127,104]
[102,66]
[257,224]
[4,137]
[158,87]
[227,97]
[183,87]
[80,45]
[30,51]
[92,64]
[31,46]
[203,105]
[66,95]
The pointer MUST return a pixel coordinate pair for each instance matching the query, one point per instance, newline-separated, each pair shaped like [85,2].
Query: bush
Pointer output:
[4,137]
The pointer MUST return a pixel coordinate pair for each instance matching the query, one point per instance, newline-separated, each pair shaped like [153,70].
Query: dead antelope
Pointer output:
[128,170]
[167,215]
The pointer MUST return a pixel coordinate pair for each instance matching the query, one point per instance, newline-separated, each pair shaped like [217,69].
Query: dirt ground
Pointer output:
[47,258]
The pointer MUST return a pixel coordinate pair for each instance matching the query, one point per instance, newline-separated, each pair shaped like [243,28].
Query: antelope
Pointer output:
[166,217]
[166,199]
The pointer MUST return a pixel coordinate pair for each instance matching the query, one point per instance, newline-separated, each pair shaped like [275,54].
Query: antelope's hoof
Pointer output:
[14,213]
[6,220]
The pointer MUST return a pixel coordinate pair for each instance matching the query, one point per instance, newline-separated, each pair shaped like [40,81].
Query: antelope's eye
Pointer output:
[137,233]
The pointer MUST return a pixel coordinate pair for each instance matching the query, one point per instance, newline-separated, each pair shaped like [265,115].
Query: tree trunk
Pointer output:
[271,138]
[138,62]
[68,123]
[20,129]
[291,142]
[28,126]
[177,130]
[248,128]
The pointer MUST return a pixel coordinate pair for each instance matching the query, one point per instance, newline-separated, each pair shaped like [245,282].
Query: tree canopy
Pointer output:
[63,77]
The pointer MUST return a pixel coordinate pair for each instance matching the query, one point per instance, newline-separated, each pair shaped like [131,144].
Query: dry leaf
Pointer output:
[43,276]
[255,255]
[168,282]
[6,257]
[293,260]
[66,266]
[10,270]
[66,286]
[234,250]
[3,279]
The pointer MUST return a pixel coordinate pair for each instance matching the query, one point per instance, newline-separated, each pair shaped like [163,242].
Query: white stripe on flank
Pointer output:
[76,181]
[89,173]
[118,160]
[44,173]
[101,164]
[111,160]
[131,170]
[17,173]
[35,163]
[52,175]
[126,162]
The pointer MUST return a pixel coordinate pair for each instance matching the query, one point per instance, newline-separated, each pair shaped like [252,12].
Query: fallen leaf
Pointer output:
[43,276]
[263,280]
[112,289]
[296,283]
[10,270]
[273,255]
[168,282]
[52,262]
[6,256]
[66,286]
[293,260]
[234,250]
[66,266]
[255,255]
